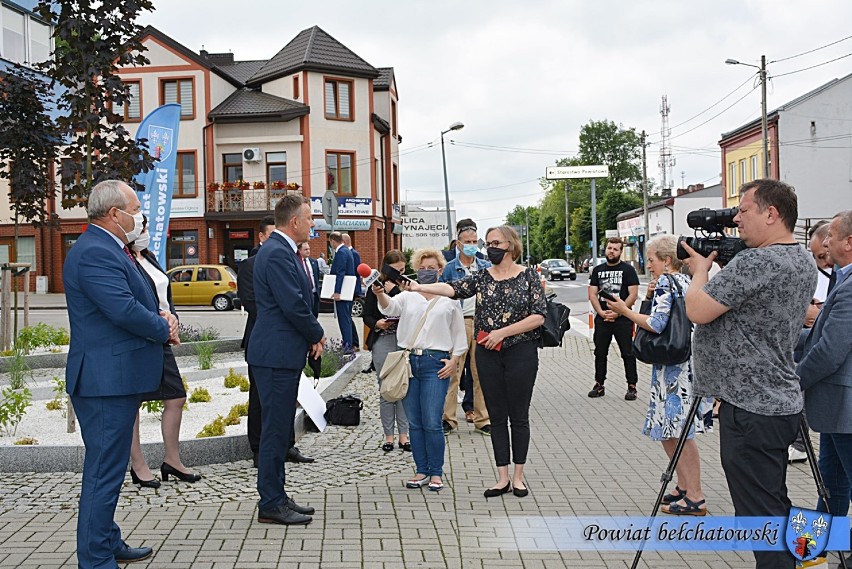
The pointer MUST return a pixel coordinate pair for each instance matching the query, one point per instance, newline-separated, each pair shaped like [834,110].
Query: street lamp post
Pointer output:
[765,130]
[454,126]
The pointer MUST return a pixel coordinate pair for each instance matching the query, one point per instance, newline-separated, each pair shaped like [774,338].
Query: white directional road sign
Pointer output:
[572,172]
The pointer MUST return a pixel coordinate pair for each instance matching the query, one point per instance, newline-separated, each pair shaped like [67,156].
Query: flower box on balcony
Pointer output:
[259,185]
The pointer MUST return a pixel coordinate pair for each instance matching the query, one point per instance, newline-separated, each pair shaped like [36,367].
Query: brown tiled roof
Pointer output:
[314,50]
[249,105]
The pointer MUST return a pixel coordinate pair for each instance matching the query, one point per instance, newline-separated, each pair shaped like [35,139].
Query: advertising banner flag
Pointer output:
[160,128]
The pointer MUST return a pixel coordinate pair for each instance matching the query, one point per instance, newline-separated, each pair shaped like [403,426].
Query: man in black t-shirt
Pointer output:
[616,278]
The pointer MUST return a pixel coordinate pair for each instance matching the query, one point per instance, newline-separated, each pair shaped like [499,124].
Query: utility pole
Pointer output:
[567,240]
[645,204]
[527,218]
[763,125]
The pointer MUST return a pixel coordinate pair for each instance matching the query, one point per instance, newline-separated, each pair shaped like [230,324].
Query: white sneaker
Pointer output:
[460,396]
[796,455]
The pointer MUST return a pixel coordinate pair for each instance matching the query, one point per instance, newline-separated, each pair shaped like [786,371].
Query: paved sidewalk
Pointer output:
[587,457]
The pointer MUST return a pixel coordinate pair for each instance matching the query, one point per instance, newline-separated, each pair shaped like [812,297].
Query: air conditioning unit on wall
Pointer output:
[251,155]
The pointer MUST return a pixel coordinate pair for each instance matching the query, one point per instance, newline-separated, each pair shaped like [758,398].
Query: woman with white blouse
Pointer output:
[435,354]
[171,390]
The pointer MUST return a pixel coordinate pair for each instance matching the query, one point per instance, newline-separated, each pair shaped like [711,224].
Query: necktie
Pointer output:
[308,273]
[130,256]
[832,280]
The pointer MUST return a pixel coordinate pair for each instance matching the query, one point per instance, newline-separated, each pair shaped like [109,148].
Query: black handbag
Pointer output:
[557,321]
[344,411]
[674,344]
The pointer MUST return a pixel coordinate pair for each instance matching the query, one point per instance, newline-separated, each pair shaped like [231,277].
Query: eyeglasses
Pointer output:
[494,243]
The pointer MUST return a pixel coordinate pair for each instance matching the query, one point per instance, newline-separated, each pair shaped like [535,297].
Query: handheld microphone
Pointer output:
[369,275]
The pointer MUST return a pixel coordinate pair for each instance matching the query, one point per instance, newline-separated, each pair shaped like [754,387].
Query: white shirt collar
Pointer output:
[121,243]
[288,239]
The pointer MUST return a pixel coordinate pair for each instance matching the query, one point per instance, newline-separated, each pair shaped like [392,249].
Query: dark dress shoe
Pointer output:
[283,515]
[129,554]
[306,510]
[168,470]
[153,483]
[293,455]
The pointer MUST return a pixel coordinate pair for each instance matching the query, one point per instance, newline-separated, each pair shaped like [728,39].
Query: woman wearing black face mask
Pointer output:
[435,352]
[510,310]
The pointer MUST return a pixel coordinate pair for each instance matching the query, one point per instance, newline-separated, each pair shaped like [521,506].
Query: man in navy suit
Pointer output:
[341,266]
[356,260]
[825,373]
[116,354]
[312,270]
[285,331]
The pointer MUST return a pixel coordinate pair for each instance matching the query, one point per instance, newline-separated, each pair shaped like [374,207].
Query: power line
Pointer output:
[813,66]
[512,149]
[716,115]
[811,50]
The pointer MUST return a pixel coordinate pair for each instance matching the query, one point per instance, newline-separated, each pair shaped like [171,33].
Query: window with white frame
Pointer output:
[24,39]
[754,173]
[743,173]
[14,33]
[732,179]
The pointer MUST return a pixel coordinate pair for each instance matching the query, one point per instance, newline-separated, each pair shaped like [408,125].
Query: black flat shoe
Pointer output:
[294,455]
[153,483]
[284,516]
[405,446]
[520,492]
[168,470]
[494,492]
[387,447]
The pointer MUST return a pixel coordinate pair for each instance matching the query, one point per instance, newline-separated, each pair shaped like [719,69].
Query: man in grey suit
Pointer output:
[825,373]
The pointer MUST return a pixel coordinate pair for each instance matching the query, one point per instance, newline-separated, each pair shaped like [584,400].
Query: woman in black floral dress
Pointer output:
[510,311]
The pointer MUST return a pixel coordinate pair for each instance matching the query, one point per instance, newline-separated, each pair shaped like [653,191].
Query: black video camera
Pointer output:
[711,223]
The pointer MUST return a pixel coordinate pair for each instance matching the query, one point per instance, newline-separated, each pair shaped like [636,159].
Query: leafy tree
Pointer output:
[92,40]
[604,142]
[27,144]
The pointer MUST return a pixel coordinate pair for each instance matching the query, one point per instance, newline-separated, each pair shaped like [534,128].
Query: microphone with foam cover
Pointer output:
[369,275]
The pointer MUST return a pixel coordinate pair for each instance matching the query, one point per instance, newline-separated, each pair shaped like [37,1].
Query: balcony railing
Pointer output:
[237,197]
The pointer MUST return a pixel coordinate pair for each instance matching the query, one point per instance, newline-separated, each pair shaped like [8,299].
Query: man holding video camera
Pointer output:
[748,321]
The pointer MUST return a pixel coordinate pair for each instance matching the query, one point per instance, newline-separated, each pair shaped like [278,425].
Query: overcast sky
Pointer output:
[524,76]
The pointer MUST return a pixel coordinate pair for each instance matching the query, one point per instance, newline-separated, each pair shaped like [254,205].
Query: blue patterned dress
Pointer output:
[671,385]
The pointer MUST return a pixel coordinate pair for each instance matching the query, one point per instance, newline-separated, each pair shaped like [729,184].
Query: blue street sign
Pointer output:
[568,248]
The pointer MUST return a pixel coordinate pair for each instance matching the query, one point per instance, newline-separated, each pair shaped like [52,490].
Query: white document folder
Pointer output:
[347,291]
[312,402]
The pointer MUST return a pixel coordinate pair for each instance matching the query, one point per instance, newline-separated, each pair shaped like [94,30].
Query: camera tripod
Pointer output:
[669,472]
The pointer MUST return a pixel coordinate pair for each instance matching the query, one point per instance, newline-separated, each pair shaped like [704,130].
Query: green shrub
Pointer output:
[199,395]
[13,407]
[58,386]
[240,409]
[41,336]
[214,429]
[54,405]
[232,419]
[19,369]
[189,333]
[26,441]
[235,379]
[155,408]
[334,357]
[204,351]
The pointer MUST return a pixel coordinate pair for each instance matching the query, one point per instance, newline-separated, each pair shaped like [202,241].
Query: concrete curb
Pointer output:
[213,450]
[51,360]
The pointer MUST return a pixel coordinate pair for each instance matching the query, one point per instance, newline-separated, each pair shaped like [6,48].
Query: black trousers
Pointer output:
[754,457]
[254,417]
[507,378]
[622,329]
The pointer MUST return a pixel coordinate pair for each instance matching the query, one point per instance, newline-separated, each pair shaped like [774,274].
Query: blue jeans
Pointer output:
[424,407]
[835,465]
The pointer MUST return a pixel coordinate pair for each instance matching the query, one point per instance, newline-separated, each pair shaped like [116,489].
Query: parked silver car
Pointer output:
[553,269]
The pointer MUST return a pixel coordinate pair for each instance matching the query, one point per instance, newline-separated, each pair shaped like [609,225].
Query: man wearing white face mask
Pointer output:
[466,263]
[116,354]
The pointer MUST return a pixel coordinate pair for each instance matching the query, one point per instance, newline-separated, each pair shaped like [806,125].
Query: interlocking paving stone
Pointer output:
[587,456]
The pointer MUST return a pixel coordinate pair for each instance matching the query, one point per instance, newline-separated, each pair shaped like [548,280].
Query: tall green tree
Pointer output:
[604,142]
[92,40]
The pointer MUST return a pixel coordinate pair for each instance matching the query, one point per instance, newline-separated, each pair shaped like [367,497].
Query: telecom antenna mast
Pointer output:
[666,161]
